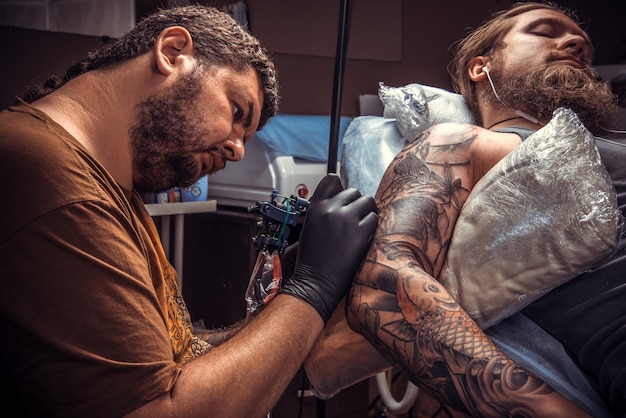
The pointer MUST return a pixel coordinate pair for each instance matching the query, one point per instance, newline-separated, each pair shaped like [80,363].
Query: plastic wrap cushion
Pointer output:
[302,136]
[544,214]
[417,107]
[371,142]
[369,146]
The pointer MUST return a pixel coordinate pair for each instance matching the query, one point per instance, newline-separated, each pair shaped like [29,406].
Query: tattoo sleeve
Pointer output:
[397,304]
[217,337]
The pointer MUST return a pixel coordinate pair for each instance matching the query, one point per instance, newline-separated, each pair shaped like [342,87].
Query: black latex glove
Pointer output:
[338,227]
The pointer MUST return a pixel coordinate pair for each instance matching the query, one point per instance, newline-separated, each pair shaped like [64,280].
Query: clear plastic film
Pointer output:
[543,215]
[265,280]
[417,107]
[279,216]
[368,147]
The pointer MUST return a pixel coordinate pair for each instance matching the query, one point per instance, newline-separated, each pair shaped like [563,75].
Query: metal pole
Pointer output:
[340,61]
[335,119]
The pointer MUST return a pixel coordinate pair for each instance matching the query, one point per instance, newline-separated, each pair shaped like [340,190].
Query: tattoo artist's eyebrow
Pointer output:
[248,122]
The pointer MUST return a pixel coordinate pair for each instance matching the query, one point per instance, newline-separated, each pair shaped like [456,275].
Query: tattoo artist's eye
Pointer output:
[237,113]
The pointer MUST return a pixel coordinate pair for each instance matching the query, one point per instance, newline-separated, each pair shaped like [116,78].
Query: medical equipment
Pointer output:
[262,170]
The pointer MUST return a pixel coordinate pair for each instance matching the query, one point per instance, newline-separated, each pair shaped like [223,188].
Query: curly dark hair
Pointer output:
[218,39]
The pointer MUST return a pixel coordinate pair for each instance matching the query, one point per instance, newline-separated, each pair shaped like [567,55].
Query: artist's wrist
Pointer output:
[308,284]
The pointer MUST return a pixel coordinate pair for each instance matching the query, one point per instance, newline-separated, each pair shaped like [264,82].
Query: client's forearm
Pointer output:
[410,318]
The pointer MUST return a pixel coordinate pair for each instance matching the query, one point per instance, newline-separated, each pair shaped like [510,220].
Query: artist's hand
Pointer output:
[338,227]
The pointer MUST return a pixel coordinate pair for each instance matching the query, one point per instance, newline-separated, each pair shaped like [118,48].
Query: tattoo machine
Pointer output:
[280,216]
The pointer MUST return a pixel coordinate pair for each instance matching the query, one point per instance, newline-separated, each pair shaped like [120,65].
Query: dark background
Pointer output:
[426,31]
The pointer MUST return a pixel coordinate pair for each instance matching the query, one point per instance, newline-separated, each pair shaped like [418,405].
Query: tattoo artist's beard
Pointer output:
[165,137]
[540,92]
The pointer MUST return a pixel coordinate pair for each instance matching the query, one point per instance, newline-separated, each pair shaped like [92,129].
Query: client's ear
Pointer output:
[476,69]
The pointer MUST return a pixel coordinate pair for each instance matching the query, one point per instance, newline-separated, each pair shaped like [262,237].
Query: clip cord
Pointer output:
[614,131]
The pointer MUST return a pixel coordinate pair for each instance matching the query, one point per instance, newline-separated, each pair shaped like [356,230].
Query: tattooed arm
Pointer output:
[396,303]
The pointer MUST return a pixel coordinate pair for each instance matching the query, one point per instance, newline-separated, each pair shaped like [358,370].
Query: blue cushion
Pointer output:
[302,136]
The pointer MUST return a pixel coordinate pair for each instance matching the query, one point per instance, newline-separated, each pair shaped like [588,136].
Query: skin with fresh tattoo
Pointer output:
[399,306]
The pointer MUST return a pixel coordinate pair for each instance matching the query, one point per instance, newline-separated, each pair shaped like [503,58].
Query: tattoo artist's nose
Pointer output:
[234,147]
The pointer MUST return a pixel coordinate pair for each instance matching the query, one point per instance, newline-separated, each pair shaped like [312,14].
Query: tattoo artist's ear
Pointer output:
[476,70]
[173,48]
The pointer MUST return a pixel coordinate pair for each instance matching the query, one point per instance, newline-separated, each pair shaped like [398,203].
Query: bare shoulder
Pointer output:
[470,148]
[449,133]
[489,148]
[481,139]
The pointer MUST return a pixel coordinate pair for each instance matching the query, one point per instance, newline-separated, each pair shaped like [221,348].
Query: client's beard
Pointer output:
[540,92]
